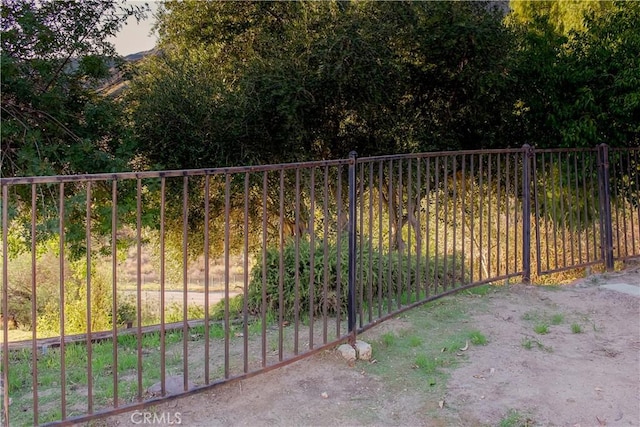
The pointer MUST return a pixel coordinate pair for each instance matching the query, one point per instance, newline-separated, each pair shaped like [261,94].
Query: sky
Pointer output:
[135,37]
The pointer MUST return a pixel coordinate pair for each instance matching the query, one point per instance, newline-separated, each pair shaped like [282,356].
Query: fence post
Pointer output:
[527,153]
[606,231]
[351,295]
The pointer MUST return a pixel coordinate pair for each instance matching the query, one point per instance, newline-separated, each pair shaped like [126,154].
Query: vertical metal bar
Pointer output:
[579,220]
[526,213]
[63,363]
[563,240]
[418,230]
[281,269]
[427,215]
[185,283]
[498,214]
[594,187]
[445,252]
[624,214]
[227,326]
[245,271]
[391,213]
[398,219]
[603,151]
[507,210]
[139,285]
[463,211]
[206,250]
[555,213]
[34,326]
[585,172]
[88,341]
[5,307]
[351,296]
[325,267]
[114,287]
[624,210]
[570,212]
[489,218]
[312,253]
[617,217]
[360,276]
[163,342]
[454,207]
[635,222]
[370,243]
[536,215]
[547,233]
[264,268]
[473,215]
[481,250]
[436,268]
[409,207]
[516,241]
[380,252]
[296,270]
[339,253]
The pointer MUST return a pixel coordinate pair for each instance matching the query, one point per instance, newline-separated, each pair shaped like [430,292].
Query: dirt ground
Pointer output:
[563,377]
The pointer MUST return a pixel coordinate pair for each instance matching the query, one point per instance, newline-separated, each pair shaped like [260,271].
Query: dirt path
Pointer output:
[584,370]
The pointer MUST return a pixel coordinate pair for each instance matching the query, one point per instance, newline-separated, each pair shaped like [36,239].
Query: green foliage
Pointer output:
[53,57]
[580,89]
[566,16]
[477,338]
[270,82]
[395,268]
[174,312]
[236,308]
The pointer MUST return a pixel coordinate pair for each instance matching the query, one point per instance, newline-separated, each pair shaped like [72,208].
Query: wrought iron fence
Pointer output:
[305,255]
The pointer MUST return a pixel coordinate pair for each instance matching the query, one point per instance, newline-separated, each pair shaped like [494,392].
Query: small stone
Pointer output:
[363,350]
[348,352]
[325,395]
[173,385]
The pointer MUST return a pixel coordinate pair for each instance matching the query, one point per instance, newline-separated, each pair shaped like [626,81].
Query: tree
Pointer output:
[580,89]
[54,57]
[564,16]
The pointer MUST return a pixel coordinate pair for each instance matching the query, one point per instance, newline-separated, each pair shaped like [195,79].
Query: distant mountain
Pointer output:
[115,85]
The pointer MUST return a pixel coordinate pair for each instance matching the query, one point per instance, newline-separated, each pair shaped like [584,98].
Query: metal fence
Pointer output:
[308,255]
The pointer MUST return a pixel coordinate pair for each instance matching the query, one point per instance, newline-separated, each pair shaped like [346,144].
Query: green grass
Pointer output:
[529,343]
[515,419]
[420,353]
[576,328]
[557,319]
[541,328]
[477,338]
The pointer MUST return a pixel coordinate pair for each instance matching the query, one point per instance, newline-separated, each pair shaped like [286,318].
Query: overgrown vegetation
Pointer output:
[321,269]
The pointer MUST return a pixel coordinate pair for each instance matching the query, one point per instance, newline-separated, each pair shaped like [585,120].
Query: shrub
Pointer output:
[394,264]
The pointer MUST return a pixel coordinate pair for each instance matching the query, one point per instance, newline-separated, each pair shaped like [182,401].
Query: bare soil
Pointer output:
[521,377]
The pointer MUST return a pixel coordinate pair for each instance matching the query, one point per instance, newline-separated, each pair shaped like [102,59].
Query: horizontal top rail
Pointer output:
[438,154]
[170,173]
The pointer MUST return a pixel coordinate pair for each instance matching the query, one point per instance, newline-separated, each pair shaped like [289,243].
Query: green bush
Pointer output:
[387,264]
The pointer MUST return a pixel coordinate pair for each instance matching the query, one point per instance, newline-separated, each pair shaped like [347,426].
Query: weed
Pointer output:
[479,290]
[557,319]
[477,338]
[388,339]
[527,343]
[515,419]
[541,328]
[415,341]
[427,364]
[576,328]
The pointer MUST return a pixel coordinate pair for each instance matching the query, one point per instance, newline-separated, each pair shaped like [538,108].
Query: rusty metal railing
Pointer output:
[299,257]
